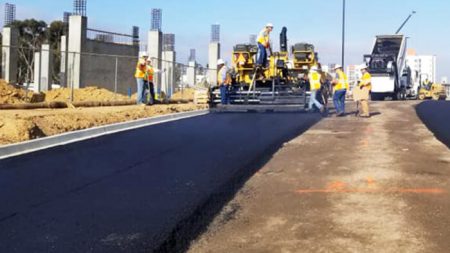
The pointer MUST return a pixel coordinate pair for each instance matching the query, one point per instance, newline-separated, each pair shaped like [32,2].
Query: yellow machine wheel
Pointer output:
[421,96]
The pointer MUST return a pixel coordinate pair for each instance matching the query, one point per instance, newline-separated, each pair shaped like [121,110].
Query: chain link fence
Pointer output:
[39,70]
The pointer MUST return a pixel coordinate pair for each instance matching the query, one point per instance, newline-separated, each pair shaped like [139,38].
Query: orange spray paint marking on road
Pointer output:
[370,181]
[341,187]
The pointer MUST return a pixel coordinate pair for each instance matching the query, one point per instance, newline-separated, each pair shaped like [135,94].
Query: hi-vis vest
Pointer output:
[314,80]
[222,76]
[366,81]
[149,73]
[342,81]
[264,38]
[140,69]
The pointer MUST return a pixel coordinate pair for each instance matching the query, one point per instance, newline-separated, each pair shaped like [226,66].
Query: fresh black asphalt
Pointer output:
[132,191]
[436,116]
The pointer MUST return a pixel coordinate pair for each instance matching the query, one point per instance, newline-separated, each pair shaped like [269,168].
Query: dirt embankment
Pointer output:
[22,125]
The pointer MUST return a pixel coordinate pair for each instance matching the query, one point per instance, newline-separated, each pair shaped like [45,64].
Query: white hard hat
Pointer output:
[144,54]
[314,68]
[363,66]
[220,62]
[337,67]
[269,25]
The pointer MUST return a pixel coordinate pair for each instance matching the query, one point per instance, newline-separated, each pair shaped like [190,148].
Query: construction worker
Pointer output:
[141,70]
[315,86]
[263,45]
[149,74]
[364,86]
[340,90]
[427,84]
[223,81]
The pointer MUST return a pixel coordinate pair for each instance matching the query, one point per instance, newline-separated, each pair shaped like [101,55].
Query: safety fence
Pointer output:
[46,68]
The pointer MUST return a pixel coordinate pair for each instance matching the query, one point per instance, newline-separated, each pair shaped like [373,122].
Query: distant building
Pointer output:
[10,13]
[353,75]
[422,67]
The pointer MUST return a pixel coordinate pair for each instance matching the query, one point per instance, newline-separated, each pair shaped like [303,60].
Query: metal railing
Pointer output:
[112,37]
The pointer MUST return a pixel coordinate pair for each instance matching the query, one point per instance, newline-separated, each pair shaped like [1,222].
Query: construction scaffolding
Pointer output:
[79,7]
[156,19]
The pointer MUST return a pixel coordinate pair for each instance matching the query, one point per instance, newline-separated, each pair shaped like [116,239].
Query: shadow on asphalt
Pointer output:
[195,225]
[436,116]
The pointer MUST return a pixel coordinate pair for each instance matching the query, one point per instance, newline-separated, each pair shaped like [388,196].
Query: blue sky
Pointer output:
[314,21]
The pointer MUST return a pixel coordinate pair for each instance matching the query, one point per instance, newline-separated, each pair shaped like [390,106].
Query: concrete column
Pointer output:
[155,52]
[64,61]
[214,55]
[168,77]
[191,74]
[37,72]
[46,68]
[10,54]
[77,35]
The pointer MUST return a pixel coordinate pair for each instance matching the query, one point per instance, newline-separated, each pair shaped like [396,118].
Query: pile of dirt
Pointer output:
[187,93]
[10,94]
[22,125]
[84,94]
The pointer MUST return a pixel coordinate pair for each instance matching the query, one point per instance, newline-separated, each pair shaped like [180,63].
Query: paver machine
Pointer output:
[282,82]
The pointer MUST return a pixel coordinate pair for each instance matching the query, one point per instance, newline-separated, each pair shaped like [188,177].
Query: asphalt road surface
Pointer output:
[378,185]
[436,116]
[149,189]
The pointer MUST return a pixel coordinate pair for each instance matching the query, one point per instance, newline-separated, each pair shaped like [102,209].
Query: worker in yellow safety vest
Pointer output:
[340,90]
[263,45]
[141,70]
[315,86]
[223,82]
[364,86]
[150,72]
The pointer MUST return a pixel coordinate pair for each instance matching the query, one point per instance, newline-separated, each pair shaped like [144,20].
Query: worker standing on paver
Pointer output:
[315,85]
[223,82]
[141,70]
[263,46]
[365,86]
[340,90]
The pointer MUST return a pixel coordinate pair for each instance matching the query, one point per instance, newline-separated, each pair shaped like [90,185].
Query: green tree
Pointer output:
[55,31]
[32,33]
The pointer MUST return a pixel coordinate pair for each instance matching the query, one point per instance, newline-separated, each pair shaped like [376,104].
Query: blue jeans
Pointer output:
[339,101]
[313,100]
[140,91]
[224,95]
[261,57]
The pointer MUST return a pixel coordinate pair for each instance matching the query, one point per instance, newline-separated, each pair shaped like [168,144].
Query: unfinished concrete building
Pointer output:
[93,57]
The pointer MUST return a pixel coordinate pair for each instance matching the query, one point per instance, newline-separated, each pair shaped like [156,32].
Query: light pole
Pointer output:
[343,33]
[406,21]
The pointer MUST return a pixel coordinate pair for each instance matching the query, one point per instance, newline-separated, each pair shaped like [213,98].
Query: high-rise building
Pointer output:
[422,67]
[353,75]
[252,39]
[192,55]
[156,20]
[169,42]
[10,13]
[215,33]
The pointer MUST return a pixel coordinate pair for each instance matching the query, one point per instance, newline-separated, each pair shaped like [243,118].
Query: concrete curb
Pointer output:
[18,149]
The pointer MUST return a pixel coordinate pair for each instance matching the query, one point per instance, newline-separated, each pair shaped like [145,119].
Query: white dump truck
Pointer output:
[391,77]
